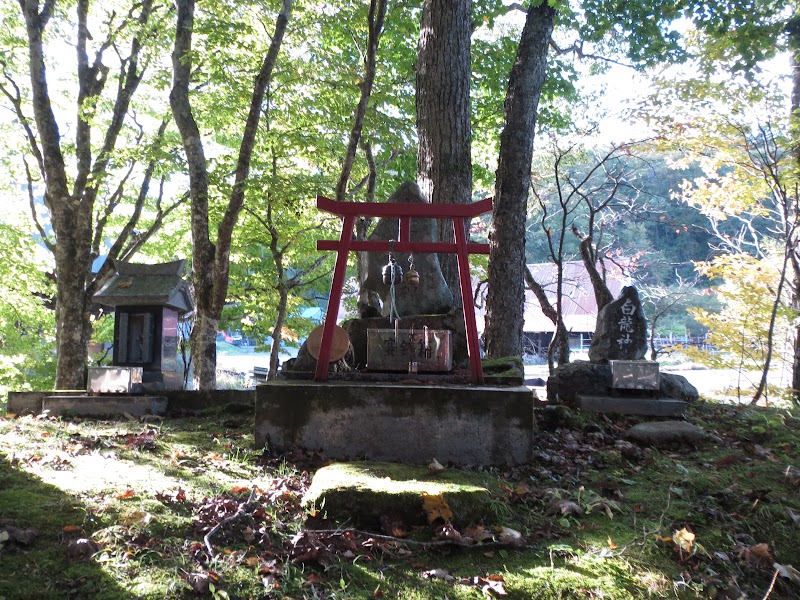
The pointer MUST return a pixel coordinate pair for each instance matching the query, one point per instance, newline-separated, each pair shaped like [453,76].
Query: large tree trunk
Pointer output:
[73,328]
[444,159]
[506,297]
[72,211]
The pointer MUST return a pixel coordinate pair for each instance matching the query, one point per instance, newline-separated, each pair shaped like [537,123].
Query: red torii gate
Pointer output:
[404,212]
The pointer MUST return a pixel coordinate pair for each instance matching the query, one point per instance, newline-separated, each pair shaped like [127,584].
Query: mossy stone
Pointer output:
[359,493]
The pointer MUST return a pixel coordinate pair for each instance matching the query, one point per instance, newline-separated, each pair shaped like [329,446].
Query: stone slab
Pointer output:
[105,406]
[462,425]
[360,493]
[30,403]
[654,407]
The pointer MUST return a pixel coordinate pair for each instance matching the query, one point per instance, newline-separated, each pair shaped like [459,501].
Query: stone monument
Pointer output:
[432,296]
[621,332]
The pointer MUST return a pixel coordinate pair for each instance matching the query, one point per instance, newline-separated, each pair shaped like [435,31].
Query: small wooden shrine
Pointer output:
[149,301]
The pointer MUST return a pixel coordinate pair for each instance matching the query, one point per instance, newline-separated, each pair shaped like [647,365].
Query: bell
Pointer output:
[412,277]
[392,271]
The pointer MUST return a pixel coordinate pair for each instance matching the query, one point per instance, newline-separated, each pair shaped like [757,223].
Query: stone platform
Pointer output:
[104,406]
[463,425]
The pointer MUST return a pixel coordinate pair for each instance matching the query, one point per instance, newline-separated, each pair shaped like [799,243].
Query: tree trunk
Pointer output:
[506,297]
[377,13]
[444,159]
[73,329]
[277,335]
[210,262]
[794,49]
[602,294]
[72,212]
[558,350]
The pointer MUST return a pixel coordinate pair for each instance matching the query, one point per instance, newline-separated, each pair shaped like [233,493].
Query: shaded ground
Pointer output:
[186,508]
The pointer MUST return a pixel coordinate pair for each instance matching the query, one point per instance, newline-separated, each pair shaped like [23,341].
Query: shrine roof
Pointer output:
[147,285]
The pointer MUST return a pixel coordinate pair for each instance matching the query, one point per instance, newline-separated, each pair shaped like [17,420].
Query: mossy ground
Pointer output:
[597,518]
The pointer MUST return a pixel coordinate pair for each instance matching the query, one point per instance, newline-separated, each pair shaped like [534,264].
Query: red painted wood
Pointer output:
[418,247]
[404,209]
[473,344]
[332,313]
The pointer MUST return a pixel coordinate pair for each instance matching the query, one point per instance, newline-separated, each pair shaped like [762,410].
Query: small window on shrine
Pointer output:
[136,338]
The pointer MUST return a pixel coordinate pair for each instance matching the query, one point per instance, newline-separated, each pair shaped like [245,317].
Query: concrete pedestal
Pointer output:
[464,425]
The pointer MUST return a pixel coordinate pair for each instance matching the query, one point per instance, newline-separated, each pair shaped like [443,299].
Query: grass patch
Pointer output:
[175,508]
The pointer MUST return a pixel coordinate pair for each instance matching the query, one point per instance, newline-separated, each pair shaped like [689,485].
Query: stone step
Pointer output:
[104,406]
[360,493]
[653,407]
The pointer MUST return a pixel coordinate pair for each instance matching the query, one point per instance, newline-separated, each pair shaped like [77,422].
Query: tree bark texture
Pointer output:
[558,350]
[72,210]
[602,294]
[506,297]
[444,159]
[210,262]
[794,49]
[377,14]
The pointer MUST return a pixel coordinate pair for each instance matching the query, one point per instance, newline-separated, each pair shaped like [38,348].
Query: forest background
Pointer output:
[146,131]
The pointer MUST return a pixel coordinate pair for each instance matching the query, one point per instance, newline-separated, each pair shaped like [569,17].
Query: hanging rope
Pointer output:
[393,316]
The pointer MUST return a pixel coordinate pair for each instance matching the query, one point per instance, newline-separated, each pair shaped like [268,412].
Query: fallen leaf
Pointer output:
[436,507]
[479,534]
[129,493]
[449,533]
[136,517]
[611,543]
[252,561]
[683,539]
[565,507]
[438,574]
[435,466]
[82,548]
[759,553]
[506,535]
[788,572]
[199,582]
[72,529]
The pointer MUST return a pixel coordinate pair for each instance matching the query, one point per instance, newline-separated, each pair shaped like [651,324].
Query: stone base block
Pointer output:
[655,407]
[463,425]
[105,406]
[30,403]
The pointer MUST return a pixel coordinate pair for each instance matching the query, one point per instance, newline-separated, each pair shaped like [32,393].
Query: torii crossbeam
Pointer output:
[404,212]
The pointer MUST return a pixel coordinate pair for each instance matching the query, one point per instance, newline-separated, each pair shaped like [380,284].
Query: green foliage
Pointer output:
[26,325]
[739,331]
